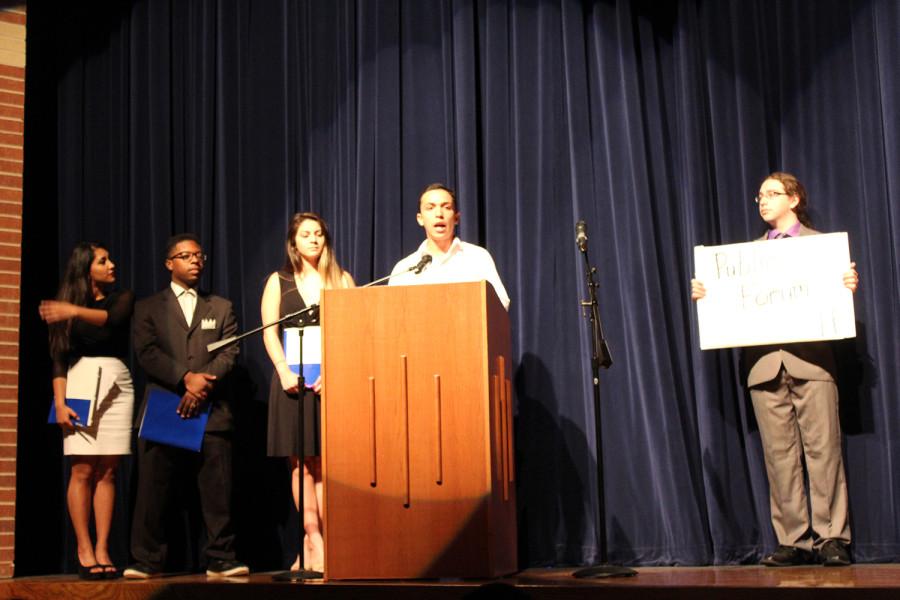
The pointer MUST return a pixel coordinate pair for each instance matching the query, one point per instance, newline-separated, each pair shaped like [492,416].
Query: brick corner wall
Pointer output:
[12,128]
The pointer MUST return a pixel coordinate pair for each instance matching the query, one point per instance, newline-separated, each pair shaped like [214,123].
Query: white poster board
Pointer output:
[775,291]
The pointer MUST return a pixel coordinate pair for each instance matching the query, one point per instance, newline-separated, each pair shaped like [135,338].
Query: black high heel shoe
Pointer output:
[107,574]
[88,574]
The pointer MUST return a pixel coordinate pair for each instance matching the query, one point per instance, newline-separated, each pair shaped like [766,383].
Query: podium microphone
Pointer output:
[423,262]
[416,268]
[581,235]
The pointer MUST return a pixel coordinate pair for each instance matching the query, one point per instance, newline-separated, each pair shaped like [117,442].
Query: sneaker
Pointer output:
[788,556]
[226,568]
[140,571]
[834,554]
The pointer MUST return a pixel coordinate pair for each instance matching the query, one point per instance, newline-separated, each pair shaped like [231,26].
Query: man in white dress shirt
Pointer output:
[452,260]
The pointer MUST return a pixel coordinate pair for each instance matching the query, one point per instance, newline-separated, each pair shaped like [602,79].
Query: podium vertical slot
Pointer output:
[510,455]
[504,427]
[495,421]
[373,463]
[438,434]
[404,401]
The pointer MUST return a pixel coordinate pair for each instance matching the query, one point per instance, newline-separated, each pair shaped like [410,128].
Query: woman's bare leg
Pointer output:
[78,498]
[293,461]
[104,504]
[314,543]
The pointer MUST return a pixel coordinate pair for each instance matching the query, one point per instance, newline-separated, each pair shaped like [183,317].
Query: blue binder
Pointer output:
[84,384]
[79,405]
[163,425]
[310,373]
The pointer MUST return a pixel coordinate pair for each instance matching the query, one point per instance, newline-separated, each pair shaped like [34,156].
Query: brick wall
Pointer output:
[12,125]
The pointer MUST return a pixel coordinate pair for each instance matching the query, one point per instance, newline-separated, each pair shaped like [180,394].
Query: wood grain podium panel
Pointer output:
[417,433]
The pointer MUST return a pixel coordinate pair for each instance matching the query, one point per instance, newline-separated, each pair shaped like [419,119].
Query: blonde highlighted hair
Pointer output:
[331,272]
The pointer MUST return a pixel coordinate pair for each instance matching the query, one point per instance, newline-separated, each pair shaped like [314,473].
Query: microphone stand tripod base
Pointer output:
[603,571]
[299,575]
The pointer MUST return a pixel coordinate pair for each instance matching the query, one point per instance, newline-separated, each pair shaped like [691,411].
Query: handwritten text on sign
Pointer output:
[771,292]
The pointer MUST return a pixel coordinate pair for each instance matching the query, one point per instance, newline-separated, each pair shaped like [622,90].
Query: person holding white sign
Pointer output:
[89,326]
[310,267]
[795,400]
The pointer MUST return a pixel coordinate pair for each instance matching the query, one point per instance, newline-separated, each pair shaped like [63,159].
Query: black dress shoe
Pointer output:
[834,554]
[787,556]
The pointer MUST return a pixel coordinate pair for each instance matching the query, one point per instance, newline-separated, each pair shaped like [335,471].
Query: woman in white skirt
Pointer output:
[89,328]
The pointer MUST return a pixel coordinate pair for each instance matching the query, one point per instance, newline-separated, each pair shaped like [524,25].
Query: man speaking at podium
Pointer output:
[451,259]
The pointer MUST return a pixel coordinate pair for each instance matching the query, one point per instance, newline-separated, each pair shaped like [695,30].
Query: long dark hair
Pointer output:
[331,272]
[793,187]
[75,288]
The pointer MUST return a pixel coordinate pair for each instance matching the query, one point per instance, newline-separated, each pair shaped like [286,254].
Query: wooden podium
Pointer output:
[417,442]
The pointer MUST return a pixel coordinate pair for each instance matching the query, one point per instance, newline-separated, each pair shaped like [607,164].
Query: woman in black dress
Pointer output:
[309,268]
[89,325]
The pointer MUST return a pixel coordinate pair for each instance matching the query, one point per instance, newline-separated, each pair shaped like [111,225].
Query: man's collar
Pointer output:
[179,290]
[792,231]
[455,246]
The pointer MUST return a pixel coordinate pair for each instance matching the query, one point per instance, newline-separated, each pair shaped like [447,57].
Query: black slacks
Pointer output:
[161,468]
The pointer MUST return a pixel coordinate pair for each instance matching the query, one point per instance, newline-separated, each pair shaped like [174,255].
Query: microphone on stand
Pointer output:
[423,262]
[581,235]
[416,268]
[600,357]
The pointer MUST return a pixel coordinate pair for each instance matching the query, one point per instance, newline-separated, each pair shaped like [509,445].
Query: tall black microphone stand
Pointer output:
[600,357]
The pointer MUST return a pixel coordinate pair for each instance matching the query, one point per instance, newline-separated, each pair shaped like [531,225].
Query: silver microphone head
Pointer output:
[580,234]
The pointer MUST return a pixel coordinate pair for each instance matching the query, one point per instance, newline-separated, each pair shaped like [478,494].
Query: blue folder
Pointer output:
[163,425]
[84,380]
[310,373]
[79,405]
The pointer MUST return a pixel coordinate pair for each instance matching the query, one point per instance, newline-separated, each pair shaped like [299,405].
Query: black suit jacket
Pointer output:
[167,347]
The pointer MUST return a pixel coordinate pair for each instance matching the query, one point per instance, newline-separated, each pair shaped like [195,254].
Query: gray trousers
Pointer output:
[798,419]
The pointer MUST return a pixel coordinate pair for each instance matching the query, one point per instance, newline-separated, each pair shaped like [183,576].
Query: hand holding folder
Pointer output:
[162,423]
[85,387]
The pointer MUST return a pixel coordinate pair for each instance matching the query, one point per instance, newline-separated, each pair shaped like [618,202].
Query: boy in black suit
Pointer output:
[171,331]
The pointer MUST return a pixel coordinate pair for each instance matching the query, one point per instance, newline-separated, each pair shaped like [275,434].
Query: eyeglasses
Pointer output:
[768,195]
[186,256]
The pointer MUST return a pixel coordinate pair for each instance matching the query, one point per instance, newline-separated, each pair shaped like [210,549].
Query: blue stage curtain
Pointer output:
[653,122]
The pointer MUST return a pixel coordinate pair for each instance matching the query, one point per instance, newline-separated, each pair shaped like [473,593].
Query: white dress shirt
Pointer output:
[187,299]
[461,263]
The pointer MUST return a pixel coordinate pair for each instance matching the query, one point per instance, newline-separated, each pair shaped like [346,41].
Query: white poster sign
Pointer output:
[776,291]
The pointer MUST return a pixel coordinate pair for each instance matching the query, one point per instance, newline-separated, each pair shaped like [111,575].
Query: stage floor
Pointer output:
[872,582]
